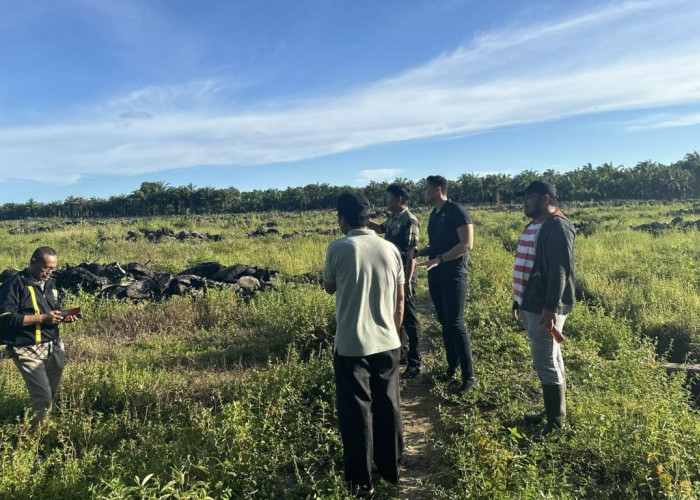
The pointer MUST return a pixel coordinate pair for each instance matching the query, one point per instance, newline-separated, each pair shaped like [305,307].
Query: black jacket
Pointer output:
[16,300]
[551,284]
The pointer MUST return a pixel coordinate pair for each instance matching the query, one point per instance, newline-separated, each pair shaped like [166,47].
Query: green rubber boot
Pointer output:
[554,408]
[534,418]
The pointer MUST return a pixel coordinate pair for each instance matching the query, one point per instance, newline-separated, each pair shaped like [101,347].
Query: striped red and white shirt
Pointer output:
[525,257]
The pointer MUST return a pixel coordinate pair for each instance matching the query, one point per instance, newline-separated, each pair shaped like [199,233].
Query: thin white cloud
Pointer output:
[189,96]
[633,55]
[378,174]
[664,120]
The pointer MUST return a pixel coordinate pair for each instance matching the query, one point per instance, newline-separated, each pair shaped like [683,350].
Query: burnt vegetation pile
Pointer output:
[158,235]
[272,231]
[677,223]
[586,228]
[34,227]
[138,282]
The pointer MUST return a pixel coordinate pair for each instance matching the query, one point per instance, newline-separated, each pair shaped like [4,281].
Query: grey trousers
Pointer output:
[41,378]
[546,353]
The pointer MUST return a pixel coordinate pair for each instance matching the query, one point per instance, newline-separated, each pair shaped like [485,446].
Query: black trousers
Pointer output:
[369,415]
[410,331]
[448,289]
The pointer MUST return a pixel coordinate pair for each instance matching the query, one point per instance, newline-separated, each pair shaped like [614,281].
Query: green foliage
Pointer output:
[610,335]
[217,397]
[309,324]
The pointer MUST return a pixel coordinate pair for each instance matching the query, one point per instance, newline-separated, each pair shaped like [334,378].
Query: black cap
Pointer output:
[352,205]
[540,187]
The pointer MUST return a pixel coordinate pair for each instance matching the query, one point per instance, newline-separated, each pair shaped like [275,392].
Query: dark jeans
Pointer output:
[448,289]
[410,330]
[369,415]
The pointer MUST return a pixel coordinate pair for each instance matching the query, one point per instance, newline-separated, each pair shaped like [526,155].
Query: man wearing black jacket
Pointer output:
[29,318]
[543,286]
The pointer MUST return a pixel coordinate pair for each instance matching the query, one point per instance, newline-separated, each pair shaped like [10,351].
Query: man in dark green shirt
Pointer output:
[401,228]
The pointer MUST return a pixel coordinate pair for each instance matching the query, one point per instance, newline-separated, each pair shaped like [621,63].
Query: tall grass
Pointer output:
[218,397]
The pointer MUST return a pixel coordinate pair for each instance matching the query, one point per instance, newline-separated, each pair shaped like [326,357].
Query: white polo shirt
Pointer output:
[367,271]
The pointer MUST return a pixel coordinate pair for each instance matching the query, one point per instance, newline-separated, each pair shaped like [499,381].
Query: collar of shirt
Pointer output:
[398,215]
[439,210]
[32,280]
[360,232]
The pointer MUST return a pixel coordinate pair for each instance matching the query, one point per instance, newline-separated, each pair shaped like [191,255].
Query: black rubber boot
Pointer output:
[534,418]
[554,407]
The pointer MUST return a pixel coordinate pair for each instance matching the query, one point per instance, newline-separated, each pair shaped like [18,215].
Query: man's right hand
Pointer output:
[51,318]
[408,290]
[421,252]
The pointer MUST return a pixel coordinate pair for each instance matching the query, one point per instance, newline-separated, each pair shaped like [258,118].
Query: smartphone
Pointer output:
[70,312]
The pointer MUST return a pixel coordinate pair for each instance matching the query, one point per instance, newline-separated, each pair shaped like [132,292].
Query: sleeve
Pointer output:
[400,278]
[560,255]
[329,266]
[10,316]
[412,236]
[460,216]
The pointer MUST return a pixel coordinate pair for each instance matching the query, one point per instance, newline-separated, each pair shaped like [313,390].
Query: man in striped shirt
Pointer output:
[543,288]
[525,259]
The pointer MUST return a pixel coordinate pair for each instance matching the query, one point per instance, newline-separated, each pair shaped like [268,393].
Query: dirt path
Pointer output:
[419,411]
[420,415]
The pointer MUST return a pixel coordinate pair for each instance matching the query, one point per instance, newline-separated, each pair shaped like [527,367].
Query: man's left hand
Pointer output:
[548,319]
[429,264]
[70,318]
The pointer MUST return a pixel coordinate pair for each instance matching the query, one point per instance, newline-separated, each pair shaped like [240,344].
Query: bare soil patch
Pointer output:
[419,411]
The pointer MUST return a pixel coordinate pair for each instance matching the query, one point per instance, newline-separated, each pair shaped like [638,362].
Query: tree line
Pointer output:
[646,180]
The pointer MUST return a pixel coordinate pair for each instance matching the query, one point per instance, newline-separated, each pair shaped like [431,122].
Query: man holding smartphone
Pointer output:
[30,312]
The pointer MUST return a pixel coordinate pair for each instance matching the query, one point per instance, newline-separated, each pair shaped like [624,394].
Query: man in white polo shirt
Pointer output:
[366,274]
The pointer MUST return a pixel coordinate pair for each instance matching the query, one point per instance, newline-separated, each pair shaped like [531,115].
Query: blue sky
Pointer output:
[97,97]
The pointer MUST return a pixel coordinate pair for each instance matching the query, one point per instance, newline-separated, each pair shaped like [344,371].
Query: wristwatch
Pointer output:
[440,259]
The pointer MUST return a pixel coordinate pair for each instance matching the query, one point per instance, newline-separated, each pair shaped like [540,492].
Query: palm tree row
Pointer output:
[646,180]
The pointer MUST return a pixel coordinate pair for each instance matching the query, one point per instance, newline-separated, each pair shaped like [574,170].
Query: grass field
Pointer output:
[215,397]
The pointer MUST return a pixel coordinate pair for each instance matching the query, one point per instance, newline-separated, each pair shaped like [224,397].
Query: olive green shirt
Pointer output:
[402,230]
[367,270]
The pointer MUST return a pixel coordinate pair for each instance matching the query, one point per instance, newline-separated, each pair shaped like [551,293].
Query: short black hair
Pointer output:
[437,181]
[400,191]
[41,253]
[355,208]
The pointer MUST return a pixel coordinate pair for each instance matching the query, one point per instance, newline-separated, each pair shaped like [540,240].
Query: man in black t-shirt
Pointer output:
[450,238]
